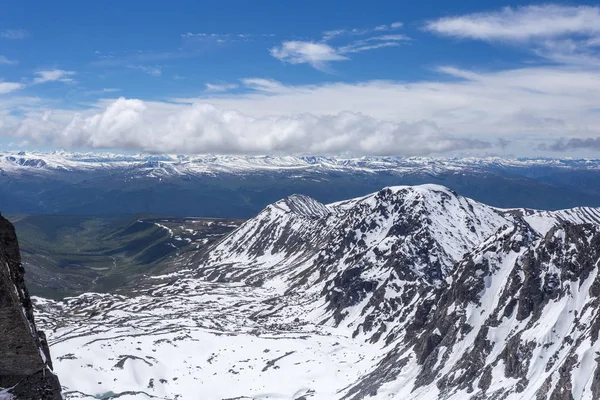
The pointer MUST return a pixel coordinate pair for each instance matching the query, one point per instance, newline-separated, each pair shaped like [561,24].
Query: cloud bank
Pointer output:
[572,144]
[202,128]
[464,110]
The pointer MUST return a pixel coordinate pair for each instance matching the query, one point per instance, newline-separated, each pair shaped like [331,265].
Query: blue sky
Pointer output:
[353,77]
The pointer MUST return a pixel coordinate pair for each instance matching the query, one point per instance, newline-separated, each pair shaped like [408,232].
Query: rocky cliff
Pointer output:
[25,365]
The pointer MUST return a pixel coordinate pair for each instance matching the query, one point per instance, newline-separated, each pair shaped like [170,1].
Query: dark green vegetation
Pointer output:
[65,255]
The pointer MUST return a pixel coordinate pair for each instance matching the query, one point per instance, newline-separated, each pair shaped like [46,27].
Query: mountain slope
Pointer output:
[410,292]
[70,255]
[519,320]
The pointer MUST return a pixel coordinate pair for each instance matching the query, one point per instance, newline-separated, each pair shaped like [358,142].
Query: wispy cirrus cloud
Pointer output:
[220,87]
[101,91]
[155,71]
[319,54]
[6,61]
[7,87]
[336,33]
[54,75]
[219,37]
[14,34]
[560,33]
[151,62]
[521,23]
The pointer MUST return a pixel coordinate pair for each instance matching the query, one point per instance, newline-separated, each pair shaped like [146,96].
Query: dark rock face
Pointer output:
[25,364]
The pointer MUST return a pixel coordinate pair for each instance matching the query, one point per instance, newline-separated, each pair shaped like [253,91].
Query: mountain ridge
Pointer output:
[241,186]
[409,292]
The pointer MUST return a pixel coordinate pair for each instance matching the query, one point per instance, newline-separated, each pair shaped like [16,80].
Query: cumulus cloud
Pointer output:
[513,109]
[315,54]
[54,75]
[202,128]
[524,105]
[14,34]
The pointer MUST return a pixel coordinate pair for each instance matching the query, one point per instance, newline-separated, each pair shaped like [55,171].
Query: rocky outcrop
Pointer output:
[25,365]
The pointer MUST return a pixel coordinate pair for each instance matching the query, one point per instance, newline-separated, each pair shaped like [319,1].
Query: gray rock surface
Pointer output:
[25,365]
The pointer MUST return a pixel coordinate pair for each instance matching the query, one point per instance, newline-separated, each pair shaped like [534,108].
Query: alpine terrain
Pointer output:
[412,292]
[65,183]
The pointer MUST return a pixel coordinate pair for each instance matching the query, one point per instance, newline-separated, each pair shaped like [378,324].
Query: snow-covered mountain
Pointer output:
[410,292]
[241,186]
[170,164]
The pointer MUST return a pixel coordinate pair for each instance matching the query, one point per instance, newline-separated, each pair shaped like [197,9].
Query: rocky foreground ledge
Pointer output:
[25,364]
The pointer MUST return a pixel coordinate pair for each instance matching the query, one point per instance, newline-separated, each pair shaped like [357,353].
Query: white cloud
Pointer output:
[522,23]
[336,33]
[203,128]
[266,85]
[373,43]
[153,71]
[531,103]
[54,75]
[220,87]
[221,38]
[7,87]
[6,61]
[14,34]
[518,108]
[320,54]
[315,54]
[562,34]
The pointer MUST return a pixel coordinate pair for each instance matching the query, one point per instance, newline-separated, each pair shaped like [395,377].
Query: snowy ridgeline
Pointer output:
[168,164]
[408,293]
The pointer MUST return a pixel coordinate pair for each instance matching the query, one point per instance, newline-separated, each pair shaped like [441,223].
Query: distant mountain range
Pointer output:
[411,292]
[240,186]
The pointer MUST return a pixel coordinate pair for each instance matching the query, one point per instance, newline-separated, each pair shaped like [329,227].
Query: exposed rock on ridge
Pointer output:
[25,365]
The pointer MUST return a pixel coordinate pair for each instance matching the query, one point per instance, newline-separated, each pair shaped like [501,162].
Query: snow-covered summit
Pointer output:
[411,292]
[303,205]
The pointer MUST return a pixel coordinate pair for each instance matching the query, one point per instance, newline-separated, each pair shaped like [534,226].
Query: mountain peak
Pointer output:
[304,206]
